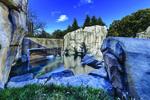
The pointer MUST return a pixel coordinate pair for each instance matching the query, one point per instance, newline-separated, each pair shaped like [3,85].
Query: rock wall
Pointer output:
[88,40]
[128,66]
[29,43]
[145,34]
[12,30]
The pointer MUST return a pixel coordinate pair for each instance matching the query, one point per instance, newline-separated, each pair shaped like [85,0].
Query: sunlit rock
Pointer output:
[12,30]
[88,40]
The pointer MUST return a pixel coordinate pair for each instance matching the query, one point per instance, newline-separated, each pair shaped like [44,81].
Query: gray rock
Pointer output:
[13,27]
[135,73]
[21,84]
[91,61]
[22,78]
[65,73]
[1,86]
[99,73]
[82,80]
[57,74]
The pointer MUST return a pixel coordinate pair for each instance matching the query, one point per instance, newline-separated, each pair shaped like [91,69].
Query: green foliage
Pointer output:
[100,22]
[44,34]
[75,25]
[87,21]
[34,92]
[93,21]
[131,24]
[58,34]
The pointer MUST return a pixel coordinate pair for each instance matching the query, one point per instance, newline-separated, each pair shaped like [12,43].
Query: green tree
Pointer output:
[75,25]
[59,34]
[94,21]
[129,25]
[100,22]
[43,34]
[87,21]
[69,29]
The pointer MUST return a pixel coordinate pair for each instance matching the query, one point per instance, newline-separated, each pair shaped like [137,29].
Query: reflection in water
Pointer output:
[45,65]
[75,65]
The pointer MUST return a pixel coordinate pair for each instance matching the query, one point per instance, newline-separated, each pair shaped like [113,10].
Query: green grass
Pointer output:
[34,92]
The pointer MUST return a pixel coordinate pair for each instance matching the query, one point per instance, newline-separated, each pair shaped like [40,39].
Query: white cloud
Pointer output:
[62,18]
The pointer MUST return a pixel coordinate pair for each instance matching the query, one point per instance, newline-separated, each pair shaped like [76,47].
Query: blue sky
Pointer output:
[58,14]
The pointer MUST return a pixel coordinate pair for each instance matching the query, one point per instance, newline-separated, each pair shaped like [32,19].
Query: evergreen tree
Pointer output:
[69,29]
[87,21]
[75,25]
[93,21]
[43,34]
[100,22]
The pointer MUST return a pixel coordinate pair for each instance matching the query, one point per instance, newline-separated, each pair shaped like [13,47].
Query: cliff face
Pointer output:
[88,39]
[13,15]
[127,62]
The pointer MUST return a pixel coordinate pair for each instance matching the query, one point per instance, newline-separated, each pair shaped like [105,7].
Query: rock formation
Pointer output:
[12,30]
[88,39]
[128,66]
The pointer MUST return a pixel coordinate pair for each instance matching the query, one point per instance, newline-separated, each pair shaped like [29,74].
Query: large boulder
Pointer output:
[128,66]
[88,39]
[91,61]
[12,30]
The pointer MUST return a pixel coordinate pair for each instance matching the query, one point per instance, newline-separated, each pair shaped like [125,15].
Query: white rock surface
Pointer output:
[92,36]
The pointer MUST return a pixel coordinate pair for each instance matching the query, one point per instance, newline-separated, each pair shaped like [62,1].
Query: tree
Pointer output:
[59,34]
[35,27]
[75,25]
[129,25]
[100,22]
[44,34]
[69,29]
[94,21]
[87,21]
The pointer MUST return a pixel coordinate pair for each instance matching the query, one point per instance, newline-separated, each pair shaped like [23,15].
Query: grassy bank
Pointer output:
[34,92]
